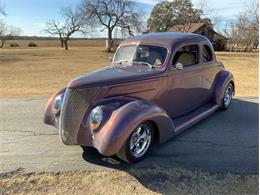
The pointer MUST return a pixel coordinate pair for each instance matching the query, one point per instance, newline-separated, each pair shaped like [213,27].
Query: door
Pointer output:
[185,92]
[211,69]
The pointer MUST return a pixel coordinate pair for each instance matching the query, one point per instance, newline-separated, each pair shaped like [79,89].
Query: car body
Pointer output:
[158,85]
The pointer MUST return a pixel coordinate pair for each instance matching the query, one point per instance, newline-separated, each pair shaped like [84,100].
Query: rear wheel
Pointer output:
[137,144]
[227,98]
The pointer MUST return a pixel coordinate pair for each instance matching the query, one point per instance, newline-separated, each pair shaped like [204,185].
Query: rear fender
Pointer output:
[115,132]
[221,81]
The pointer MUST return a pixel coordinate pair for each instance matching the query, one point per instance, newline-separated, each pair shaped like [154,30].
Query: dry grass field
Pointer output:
[39,72]
[245,68]
[151,181]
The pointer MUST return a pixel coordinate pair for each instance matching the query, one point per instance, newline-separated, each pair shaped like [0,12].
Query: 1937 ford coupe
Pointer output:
[158,85]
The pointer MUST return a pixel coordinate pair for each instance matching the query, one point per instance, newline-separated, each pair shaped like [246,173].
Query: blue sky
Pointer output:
[31,15]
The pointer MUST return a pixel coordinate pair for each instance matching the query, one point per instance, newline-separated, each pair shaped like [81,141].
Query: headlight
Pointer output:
[58,102]
[95,118]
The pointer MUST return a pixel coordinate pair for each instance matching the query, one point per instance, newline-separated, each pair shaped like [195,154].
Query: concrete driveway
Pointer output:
[224,142]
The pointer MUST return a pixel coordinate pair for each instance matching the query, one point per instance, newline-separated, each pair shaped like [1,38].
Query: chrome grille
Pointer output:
[74,106]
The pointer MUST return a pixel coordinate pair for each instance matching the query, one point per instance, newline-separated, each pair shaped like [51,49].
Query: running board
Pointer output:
[183,122]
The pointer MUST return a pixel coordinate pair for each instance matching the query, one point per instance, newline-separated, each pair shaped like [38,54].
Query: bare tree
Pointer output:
[55,29]
[74,22]
[252,11]
[241,37]
[2,8]
[7,33]
[3,32]
[112,13]
[242,33]
[208,11]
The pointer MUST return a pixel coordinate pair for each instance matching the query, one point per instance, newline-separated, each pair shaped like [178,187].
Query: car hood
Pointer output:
[113,75]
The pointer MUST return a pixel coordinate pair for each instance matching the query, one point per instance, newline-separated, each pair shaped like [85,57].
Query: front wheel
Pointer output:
[227,98]
[137,144]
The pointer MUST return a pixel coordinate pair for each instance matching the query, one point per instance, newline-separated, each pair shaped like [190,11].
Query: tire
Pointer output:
[134,150]
[84,148]
[227,97]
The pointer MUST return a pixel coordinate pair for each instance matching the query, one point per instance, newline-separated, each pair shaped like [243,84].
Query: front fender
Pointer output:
[115,132]
[220,83]
[49,113]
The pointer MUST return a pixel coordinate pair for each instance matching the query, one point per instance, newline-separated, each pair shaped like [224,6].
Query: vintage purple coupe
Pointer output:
[158,85]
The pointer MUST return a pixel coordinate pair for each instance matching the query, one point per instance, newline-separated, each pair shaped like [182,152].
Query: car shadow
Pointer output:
[225,142]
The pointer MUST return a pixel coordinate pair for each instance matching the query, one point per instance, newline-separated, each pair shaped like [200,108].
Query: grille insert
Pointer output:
[74,106]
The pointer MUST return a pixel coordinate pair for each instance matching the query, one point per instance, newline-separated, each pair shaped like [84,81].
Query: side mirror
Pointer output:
[179,66]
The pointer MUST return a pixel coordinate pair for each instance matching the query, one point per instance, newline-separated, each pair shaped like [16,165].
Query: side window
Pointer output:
[187,55]
[206,54]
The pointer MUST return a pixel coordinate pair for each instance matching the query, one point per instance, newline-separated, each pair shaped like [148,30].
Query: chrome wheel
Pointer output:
[228,96]
[140,141]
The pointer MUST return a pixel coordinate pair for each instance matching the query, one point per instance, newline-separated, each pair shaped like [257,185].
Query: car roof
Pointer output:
[168,39]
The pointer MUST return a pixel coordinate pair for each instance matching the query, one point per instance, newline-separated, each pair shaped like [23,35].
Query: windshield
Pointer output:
[146,54]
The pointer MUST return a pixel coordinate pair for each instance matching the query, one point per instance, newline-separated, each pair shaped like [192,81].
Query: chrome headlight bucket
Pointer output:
[58,102]
[95,118]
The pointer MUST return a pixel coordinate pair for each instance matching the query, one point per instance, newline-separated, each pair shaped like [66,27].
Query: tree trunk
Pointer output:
[61,43]
[66,44]
[109,40]
[2,43]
